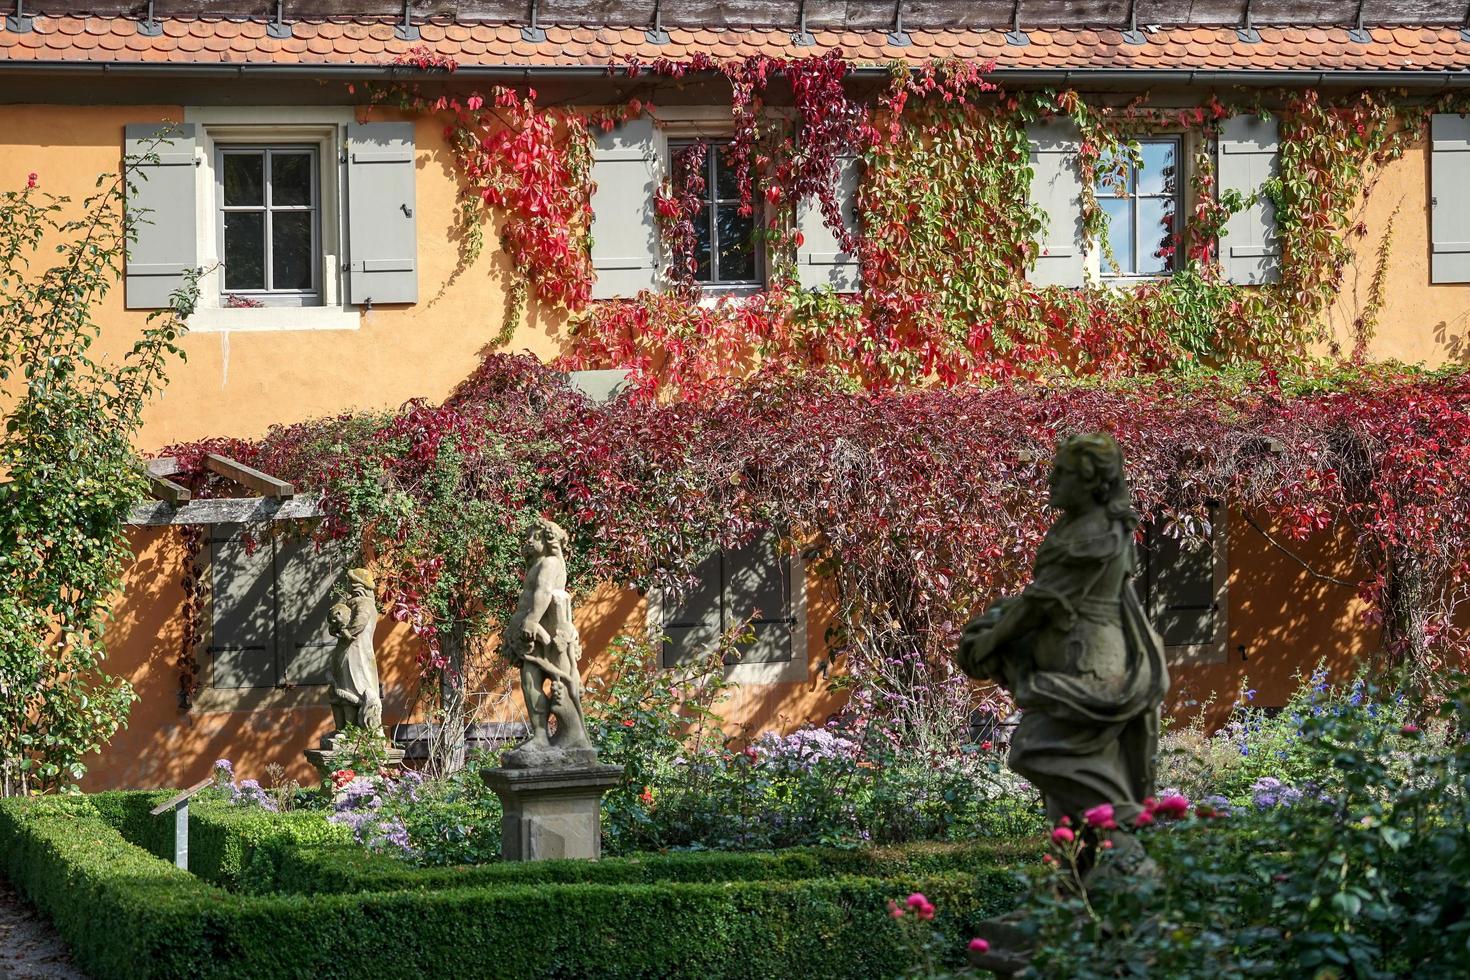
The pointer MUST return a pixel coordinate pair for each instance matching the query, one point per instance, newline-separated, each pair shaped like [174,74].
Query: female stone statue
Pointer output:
[1075,648]
[356,693]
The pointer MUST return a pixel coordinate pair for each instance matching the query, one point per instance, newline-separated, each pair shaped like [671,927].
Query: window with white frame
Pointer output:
[1140,195]
[269,224]
[726,250]
[297,218]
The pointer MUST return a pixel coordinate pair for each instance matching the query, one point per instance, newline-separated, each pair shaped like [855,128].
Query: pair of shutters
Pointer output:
[377,190]
[750,583]
[627,163]
[1247,157]
[269,607]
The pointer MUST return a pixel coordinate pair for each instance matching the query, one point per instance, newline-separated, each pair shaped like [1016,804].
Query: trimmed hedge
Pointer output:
[127,913]
[343,870]
[224,841]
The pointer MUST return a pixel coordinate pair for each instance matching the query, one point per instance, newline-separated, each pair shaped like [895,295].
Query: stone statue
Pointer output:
[356,692]
[1077,652]
[542,641]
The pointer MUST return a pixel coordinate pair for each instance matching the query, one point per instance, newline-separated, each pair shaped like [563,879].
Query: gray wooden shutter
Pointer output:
[624,234]
[1449,202]
[161,205]
[242,643]
[693,627]
[1056,188]
[304,579]
[382,232]
[1249,250]
[757,587]
[1181,589]
[599,387]
[820,259]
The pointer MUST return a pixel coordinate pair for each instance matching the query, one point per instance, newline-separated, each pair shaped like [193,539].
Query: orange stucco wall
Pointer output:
[241,383]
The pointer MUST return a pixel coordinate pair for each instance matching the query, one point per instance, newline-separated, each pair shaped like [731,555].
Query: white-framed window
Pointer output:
[269,207]
[241,289]
[1142,197]
[759,588]
[1184,589]
[268,591]
[727,249]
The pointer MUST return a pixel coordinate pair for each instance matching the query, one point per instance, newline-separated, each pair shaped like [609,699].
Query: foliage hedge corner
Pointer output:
[128,913]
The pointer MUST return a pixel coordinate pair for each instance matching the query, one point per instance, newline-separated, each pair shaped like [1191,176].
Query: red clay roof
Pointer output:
[214,41]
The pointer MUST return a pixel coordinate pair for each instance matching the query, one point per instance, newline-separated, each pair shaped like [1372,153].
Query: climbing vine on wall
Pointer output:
[947,231]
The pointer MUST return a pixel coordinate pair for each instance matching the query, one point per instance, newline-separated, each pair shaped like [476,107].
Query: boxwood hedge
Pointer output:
[127,912]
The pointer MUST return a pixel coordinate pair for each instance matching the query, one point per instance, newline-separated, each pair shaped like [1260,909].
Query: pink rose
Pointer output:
[894,909]
[978,945]
[1172,807]
[1409,729]
[1062,835]
[32,178]
[1143,819]
[1101,816]
[917,900]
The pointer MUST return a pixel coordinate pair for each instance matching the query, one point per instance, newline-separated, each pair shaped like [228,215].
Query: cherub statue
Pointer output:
[356,692]
[542,641]
[1077,652]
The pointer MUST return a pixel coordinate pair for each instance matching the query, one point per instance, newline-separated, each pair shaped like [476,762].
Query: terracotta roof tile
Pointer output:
[343,41]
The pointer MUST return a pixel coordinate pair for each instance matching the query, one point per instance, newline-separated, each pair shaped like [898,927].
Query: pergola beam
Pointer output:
[226,510]
[247,476]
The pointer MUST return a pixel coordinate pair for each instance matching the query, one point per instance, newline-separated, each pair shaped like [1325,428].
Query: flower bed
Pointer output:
[127,912]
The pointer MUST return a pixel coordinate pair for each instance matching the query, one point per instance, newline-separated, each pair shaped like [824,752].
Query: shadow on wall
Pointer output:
[1283,620]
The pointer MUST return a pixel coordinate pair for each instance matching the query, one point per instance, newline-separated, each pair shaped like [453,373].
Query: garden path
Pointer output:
[30,949]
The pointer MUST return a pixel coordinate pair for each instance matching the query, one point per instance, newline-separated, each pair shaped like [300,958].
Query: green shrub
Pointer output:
[129,914]
[1361,873]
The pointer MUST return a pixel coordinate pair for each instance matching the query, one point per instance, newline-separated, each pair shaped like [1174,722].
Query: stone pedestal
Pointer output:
[552,812]
[324,757]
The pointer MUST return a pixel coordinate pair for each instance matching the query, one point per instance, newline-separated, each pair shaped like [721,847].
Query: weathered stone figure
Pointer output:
[1076,650]
[356,692]
[542,640]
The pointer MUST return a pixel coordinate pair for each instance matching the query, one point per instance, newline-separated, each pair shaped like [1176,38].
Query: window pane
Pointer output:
[1155,235]
[737,255]
[701,245]
[290,178]
[726,182]
[1113,175]
[1157,174]
[243,179]
[244,250]
[1120,234]
[291,250]
[691,169]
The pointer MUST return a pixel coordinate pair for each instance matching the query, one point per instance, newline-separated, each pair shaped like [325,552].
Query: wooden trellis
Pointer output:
[273,499]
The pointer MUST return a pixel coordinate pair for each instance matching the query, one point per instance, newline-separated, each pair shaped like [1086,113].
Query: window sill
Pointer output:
[710,296]
[228,320]
[793,671]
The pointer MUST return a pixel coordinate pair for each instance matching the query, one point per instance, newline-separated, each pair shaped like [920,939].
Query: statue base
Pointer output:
[552,812]
[1010,948]
[325,758]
